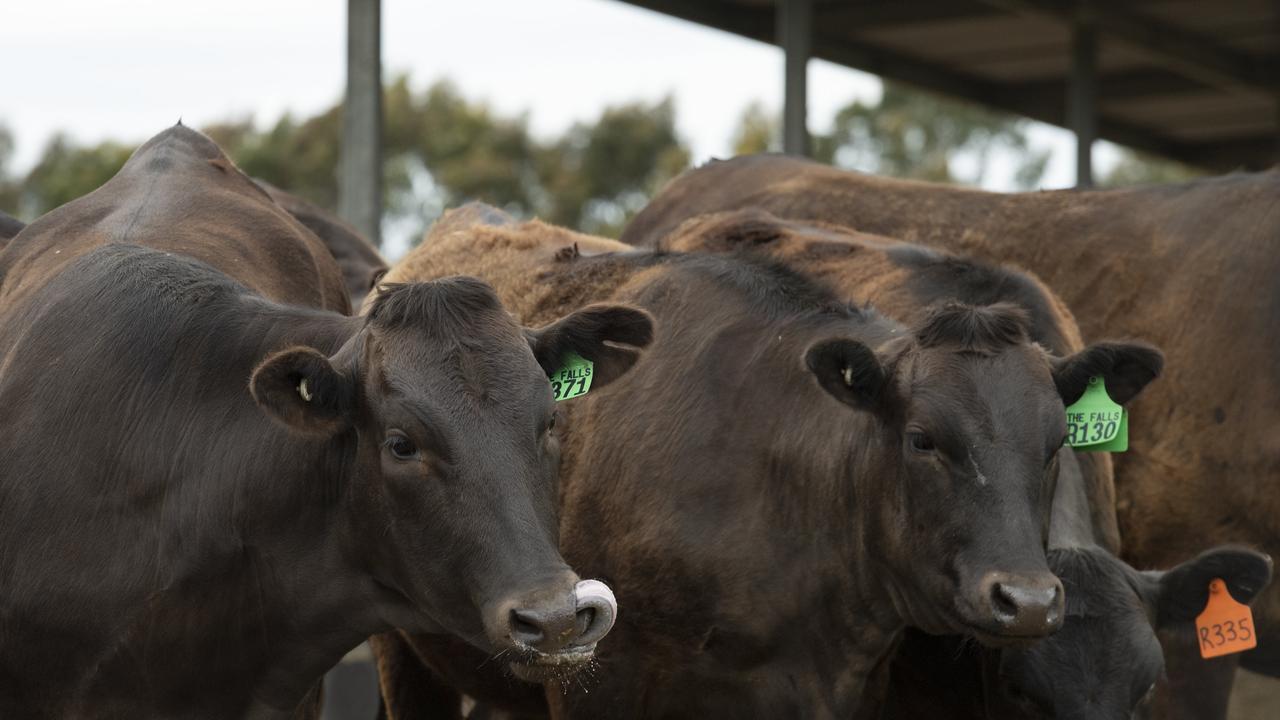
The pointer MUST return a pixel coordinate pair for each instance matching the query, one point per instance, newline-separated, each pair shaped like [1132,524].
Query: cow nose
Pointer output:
[1023,605]
[546,630]
[580,623]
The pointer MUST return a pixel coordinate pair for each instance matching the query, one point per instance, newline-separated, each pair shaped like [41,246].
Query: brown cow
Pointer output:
[1106,657]
[241,490]
[362,265]
[1191,267]
[785,480]
[152,201]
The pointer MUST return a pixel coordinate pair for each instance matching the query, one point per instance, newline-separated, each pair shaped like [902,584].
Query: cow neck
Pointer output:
[310,500]
[284,528]
[873,577]
[829,454]
[859,625]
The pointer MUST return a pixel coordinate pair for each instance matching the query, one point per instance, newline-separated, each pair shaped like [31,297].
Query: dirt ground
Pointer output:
[1254,697]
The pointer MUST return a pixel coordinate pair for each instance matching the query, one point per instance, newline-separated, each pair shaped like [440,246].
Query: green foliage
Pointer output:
[915,134]
[1135,168]
[598,175]
[299,156]
[471,152]
[758,131]
[67,170]
[441,149]
[10,192]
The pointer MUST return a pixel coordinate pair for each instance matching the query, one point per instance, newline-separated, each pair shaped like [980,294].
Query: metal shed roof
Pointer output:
[1193,80]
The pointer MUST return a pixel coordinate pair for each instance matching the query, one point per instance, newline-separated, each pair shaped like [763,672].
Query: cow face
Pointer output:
[972,419]
[452,491]
[1104,662]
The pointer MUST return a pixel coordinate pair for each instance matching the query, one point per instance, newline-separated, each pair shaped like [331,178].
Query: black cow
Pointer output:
[1103,661]
[208,496]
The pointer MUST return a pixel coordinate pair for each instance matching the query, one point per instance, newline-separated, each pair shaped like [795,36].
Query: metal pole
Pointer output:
[795,35]
[1082,97]
[351,688]
[360,171]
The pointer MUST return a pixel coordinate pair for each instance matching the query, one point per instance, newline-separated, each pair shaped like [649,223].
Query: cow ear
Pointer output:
[1183,591]
[847,369]
[1127,367]
[610,336]
[300,388]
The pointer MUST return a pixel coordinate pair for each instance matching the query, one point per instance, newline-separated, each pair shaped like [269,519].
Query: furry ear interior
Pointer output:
[300,388]
[612,337]
[1127,368]
[1184,590]
[848,370]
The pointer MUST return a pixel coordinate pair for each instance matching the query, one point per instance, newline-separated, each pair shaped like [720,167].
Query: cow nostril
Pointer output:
[596,610]
[1003,604]
[584,619]
[525,628]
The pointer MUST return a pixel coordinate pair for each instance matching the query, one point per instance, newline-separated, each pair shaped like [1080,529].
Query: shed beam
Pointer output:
[757,23]
[886,15]
[360,171]
[1117,87]
[1194,55]
[1249,153]
[1043,107]
[795,35]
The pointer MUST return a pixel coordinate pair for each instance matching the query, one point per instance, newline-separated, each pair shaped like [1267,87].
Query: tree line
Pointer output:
[442,148]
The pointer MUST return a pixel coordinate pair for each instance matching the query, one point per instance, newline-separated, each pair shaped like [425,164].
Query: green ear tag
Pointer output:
[1096,423]
[573,378]
[1121,441]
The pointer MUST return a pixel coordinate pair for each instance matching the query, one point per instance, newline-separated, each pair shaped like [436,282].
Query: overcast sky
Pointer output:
[126,69]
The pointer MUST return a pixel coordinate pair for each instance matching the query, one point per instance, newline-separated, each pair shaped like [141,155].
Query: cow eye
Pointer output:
[401,447]
[920,442]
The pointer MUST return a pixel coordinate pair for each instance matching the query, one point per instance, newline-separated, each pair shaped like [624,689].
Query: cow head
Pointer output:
[1105,661]
[443,405]
[970,415]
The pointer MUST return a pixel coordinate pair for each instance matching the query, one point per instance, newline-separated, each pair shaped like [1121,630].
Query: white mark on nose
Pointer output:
[977,471]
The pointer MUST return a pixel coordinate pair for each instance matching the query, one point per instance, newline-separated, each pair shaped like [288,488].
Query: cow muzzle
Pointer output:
[1016,606]
[558,638]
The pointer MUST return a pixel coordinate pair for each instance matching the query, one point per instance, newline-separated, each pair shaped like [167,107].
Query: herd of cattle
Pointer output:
[816,473]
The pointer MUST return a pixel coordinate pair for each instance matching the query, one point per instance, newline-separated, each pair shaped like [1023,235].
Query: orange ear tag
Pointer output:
[1225,626]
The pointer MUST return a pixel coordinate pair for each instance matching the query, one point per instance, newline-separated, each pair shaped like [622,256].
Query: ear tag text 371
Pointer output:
[573,379]
[1095,422]
[1225,626]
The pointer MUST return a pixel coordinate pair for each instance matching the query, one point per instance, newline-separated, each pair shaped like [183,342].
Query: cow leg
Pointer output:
[1193,688]
[410,691]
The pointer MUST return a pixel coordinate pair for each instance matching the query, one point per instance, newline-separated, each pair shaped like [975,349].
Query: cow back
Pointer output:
[179,193]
